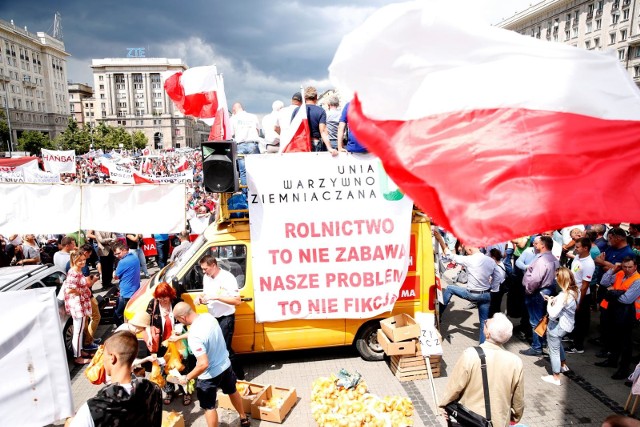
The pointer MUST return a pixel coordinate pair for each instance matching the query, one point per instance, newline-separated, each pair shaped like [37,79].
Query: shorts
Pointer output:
[207,390]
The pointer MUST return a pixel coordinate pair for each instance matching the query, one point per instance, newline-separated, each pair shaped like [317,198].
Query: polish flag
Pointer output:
[494,134]
[146,165]
[194,91]
[221,127]
[141,179]
[183,164]
[297,138]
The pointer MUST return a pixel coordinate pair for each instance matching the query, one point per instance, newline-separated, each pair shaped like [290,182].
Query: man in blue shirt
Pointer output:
[353,146]
[317,118]
[128,272]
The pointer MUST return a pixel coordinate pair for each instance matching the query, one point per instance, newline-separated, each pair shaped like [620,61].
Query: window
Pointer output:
[596,42]
[623,35]
[615,17]
[612,38]
[102,96]
[636,71]
[589,27]
[587,44]
[567,35]
[101,87]
[138,86]
[232,258]
[625,14]
[101,78]
[621,54]
[598,24]
[637,55]
[574,32]
[137,78]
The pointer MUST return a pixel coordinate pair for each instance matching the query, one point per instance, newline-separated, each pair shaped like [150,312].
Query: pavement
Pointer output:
[586,397]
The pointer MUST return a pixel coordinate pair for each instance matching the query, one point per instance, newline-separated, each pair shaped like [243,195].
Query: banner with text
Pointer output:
[329,236]
[59,161]
[36,175]
[18,163]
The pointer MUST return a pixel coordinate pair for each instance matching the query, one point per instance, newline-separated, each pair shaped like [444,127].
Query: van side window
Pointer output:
[54,280]
[232,258]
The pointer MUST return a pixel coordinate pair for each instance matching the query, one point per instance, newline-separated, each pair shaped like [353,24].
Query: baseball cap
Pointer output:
[297,96]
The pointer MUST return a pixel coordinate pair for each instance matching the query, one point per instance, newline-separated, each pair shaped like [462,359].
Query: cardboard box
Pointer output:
[287,397]
[396,348]
[172,419]
[250,392]
[401,327]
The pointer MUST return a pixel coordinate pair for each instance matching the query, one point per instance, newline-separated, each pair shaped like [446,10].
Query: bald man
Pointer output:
[213,367]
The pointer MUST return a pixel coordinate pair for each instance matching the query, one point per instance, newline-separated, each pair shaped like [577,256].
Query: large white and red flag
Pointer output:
[494,134]
[221,126]
[194,91]
[297,137]
[183,164]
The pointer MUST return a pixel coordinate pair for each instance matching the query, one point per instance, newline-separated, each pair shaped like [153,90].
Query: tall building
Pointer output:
[612,25]
[33,77]
[81,103]
[128,92]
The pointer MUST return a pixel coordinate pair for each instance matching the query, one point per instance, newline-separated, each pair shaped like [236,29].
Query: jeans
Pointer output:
[556,349]
[536,307]
[143,261]
[483,301]
[318,147]
[248,147]
[162,246]
[508,261]
[119,312]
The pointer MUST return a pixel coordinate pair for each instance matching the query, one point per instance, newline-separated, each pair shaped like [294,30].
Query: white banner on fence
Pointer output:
[134,208]
[39,208]
[36,175]
[59,161]
[329,236]
[19,163]
[15,176]
[117,173]
[35,390]
[184,176]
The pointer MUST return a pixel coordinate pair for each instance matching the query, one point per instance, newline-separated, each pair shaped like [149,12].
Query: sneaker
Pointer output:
[471,306]
[564,368]
[92,347]
[531,352]
[573,350]
[551,380]
[566,338]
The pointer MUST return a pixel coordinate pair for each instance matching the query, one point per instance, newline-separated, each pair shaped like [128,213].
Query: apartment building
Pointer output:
[128,92]
[81,103]
[605,25]
[33,78]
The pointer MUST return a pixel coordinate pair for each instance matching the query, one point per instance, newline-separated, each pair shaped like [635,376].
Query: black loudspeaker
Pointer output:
[219,167]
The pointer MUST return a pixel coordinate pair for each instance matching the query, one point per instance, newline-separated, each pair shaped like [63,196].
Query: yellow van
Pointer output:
[229,241]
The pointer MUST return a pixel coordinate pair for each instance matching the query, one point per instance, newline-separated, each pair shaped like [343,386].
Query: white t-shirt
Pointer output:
[284,119]
[244,127]
[225,285]
[268,126]
[583,269]
[83,416]
[60,259]
[205,337]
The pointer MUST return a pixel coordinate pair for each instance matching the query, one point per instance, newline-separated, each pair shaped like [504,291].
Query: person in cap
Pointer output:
[283,119]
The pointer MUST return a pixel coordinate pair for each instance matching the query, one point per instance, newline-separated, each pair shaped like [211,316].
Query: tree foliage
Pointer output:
[33,141]
[4,130]
[101,136]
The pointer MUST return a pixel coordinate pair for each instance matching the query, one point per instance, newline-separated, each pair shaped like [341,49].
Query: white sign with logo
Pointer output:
[329,236]
[59,161]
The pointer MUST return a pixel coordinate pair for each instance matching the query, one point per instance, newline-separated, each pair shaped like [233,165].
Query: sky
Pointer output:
[266,49]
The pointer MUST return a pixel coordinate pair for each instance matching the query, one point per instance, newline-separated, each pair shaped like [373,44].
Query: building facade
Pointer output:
[33,79]
[606,25]
[81,103]
[129,92]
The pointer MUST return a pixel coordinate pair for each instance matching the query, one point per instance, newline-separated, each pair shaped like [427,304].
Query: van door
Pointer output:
[232,257]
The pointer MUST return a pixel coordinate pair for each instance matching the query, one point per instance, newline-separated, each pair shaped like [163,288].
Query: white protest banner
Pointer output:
[430,339]
[19,163]
[117,173]
[39,208]
[14,176]
[330,236]
[184,176]
[36,175]
[36,390]
[145,209]
[59,161]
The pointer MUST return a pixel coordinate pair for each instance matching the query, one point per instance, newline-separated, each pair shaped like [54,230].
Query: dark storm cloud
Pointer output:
[266,49]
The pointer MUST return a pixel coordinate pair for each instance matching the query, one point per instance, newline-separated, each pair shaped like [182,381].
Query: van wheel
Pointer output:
[67,336]
[366,342]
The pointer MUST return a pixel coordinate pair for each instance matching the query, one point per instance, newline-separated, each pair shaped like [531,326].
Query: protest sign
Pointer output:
[330,237]
[59,161]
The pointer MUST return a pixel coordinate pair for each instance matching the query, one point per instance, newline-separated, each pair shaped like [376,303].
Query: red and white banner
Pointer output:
[186,176]
[494,134]
[117,173]
[297,137]
[18,163]
[347,260]
[183,164]
[194,91]
[59,161]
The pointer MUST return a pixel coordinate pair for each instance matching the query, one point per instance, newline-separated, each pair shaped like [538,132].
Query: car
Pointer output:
[19,278]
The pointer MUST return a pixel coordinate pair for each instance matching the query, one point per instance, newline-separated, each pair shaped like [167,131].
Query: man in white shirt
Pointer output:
[244,127]
[269,122]
[283,124]
[62,257]
[583,268]
[221,295]
[182,247]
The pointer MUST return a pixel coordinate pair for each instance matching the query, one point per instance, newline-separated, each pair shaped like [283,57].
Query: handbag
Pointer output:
[541,327]
[153,343]
[95,372]
[465,417]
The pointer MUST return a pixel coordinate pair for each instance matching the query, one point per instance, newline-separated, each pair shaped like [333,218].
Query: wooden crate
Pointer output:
[409,368]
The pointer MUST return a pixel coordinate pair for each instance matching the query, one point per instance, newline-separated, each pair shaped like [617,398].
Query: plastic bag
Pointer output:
[95,372]
[173,359]
[183,348]
[156,375]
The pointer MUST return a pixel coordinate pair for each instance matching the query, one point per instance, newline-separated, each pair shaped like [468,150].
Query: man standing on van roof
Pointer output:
[221,295]
[213,368]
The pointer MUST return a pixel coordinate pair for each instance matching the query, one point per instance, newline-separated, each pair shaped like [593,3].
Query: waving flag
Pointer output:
[183,164]
[298,136]
[494,134]
[194,91]
[221,127]
[139,178]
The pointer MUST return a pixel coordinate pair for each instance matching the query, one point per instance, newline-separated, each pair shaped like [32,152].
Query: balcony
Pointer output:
[4,78]
[589,16]
[615,6]
[626,3]
[598,12]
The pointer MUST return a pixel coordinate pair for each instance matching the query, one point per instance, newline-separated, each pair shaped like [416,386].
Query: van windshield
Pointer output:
[177,265]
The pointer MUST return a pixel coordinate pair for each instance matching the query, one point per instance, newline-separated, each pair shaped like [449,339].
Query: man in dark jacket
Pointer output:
[128,400]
